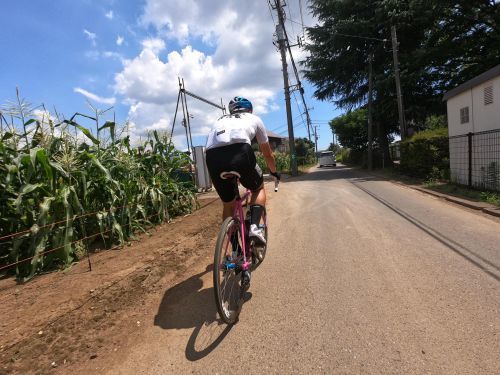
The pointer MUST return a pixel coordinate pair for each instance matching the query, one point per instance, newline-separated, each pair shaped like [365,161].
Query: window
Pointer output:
[488,95]
[464,115]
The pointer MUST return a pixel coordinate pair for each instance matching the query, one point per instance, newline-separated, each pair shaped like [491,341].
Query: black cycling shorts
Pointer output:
[238,157]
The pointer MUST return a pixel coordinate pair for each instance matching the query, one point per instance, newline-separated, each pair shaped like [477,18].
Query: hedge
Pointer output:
[426,154]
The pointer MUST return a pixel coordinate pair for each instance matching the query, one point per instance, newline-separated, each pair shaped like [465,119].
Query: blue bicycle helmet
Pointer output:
[239,104]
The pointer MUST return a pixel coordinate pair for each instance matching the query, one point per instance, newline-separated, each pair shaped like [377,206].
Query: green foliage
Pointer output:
[282,161]
[430,134]
[439,41]
[436,122]
[426,154]
[490,176]
[458,190]
[334,147]
[304,149]
[348,156]
[490,197]
[49,179]
[351,129]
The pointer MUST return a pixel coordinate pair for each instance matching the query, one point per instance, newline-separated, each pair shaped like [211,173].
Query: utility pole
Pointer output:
[402,125]
[282,41]
[308,119]
[316,138]
[370,122]
[299,84]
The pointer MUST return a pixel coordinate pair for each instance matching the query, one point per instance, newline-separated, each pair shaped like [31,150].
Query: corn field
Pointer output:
[65,189]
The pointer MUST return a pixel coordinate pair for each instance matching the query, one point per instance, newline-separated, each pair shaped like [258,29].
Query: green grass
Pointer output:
[442,187]
[463,192]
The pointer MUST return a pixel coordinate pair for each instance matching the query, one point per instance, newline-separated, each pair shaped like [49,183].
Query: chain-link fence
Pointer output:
[475,159]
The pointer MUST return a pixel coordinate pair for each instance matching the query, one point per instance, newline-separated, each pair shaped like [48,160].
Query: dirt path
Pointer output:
[60,319]
[361,277]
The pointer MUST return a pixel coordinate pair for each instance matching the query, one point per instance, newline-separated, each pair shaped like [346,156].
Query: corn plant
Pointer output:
[48,175]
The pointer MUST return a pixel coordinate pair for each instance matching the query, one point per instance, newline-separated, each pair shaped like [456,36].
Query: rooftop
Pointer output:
[486,76]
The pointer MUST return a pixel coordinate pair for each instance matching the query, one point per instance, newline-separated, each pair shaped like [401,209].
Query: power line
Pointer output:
[301,17]
[299,85]
[291,24]
[270,11]
[360,37]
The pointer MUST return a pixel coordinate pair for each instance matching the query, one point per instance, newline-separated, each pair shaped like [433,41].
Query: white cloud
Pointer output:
[92,54]
[109,15]
[91,36]
[154,45]
[236,57]
[112,55]
[94,97]
[119,40]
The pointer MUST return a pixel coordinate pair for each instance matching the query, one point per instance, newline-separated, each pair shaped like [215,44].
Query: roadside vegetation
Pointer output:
[64,189]
[460,191]
[437,51]
[304,150]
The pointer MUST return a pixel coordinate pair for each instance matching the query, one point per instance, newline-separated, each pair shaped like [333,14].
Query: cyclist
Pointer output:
[229,149]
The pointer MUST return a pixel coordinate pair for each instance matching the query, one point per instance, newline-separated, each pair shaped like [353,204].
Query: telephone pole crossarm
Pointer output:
[204,100]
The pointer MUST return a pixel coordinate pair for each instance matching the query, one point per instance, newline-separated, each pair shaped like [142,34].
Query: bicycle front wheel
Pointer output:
[227,274]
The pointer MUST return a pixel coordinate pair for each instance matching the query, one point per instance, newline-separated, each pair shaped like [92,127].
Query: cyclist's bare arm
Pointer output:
[265,148]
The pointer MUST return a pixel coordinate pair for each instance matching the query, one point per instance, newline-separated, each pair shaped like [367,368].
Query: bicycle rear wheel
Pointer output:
[227,274]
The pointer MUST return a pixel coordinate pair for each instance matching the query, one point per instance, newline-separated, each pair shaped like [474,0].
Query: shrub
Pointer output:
[282,161]
[426,154]
[348,156]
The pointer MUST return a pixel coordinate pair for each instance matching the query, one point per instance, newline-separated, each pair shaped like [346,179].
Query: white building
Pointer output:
[474,130]
[474,106]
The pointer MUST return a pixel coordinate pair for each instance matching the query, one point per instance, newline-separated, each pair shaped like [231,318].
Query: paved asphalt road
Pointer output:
[362,276]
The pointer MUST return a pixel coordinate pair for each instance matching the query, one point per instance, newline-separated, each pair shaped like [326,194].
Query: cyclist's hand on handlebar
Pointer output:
[276,175]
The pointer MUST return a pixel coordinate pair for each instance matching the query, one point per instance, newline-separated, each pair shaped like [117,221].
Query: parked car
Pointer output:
[327,158]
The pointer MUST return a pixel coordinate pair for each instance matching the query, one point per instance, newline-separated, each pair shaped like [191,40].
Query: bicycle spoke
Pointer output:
[226,271]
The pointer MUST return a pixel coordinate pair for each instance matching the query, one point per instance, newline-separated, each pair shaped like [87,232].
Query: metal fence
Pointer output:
[475,159]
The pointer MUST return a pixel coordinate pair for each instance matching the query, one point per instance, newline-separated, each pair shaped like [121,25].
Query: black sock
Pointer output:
[256,211]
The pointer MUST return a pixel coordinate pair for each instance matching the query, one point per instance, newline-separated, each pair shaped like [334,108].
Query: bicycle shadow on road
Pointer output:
[187,305]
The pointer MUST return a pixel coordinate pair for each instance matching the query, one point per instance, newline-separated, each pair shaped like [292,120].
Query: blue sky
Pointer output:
[129,54]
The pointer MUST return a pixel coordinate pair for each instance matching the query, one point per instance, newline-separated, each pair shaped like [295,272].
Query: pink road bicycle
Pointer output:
[235,256]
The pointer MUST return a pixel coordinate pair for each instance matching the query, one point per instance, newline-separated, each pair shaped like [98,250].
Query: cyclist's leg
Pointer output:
[218,161]
[252,178]
[257,204]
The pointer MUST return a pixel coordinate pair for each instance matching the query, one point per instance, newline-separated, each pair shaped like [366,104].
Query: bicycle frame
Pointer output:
[238,213]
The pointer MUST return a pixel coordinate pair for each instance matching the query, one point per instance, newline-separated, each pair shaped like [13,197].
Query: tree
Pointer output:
[442,43]
[351,129]
[304,149]
[334,147]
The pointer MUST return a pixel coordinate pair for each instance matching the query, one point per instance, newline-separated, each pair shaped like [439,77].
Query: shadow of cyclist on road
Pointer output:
[187,305]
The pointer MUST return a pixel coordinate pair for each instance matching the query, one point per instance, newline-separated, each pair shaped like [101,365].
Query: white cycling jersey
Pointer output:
[237,128]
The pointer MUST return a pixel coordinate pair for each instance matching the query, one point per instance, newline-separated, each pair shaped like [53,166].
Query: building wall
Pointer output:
[481,117]
[455,127]
[486,117]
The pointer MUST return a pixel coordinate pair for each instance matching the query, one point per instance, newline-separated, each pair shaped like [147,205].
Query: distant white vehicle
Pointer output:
[327,158]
